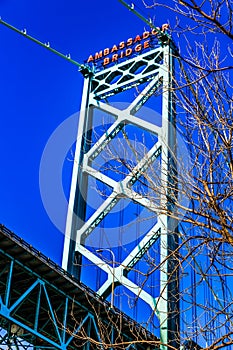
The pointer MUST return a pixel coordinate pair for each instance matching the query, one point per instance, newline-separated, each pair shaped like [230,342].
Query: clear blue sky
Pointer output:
[39,90]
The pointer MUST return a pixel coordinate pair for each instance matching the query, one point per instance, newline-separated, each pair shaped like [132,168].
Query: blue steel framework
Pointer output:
[44,307]
[153,69]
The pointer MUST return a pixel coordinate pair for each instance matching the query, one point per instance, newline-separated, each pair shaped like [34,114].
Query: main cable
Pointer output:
[46,46]
[138,14]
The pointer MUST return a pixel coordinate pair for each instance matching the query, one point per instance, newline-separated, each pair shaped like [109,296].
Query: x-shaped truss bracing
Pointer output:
[153,69]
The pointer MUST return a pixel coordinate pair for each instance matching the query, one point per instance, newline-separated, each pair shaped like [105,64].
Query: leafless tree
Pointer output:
[203,93]
[203,90]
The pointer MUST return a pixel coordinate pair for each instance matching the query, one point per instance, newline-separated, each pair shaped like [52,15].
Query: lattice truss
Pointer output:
[43,307]
[117,161]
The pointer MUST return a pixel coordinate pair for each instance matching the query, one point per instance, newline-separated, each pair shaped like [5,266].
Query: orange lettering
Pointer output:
[121,45]
[145,35]
[90,58]
[106,61]
[114,57]
[165,27]
[98,55]
[128,52]
[155,31]
[106,51]
[146,44]
[129,41]
[138,38]
[124,44]
[114,48]
[122,54]
[138,47]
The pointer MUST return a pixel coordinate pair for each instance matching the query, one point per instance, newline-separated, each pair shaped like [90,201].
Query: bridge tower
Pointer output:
[117,222]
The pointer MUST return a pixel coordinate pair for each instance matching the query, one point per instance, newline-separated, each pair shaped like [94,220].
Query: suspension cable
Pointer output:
[45,45]
[139,15]
[162,33]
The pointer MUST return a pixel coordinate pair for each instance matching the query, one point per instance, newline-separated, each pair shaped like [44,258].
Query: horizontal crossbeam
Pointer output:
[43,305]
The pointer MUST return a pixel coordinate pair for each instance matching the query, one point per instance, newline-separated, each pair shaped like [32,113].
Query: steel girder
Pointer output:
[154,69]
[43,307]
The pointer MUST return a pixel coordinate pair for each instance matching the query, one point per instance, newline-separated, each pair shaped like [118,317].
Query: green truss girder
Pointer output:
[43,307]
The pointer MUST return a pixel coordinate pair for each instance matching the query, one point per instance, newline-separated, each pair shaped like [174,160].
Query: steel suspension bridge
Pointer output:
[108,245]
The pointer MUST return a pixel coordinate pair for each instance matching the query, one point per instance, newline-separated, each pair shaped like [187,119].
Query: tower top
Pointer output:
[128,48]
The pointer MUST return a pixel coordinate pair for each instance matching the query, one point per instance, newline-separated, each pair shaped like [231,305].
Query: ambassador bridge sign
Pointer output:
[129,47]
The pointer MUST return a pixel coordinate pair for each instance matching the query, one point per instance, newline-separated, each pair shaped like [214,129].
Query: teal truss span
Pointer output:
[44,307]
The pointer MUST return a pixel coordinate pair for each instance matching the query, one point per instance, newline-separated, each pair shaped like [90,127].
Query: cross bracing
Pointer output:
[44,307]
[152,72]
[126,75]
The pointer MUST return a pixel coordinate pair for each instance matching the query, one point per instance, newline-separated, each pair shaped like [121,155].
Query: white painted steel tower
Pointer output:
[104,148]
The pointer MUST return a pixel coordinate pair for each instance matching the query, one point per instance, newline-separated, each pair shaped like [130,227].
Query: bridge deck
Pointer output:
[43,305]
